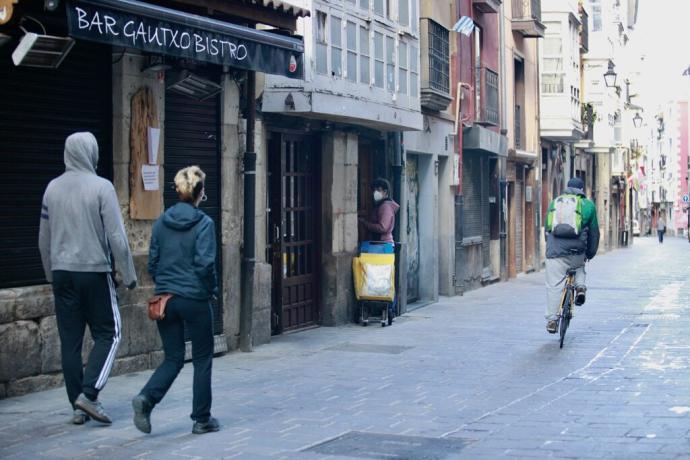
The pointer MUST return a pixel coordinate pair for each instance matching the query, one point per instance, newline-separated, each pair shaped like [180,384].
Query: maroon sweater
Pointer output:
[382,221]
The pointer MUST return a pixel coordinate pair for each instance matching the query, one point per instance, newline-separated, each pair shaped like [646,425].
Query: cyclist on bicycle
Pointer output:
[572,237]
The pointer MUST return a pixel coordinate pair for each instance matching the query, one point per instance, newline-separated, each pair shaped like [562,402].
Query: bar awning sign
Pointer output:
[160,30]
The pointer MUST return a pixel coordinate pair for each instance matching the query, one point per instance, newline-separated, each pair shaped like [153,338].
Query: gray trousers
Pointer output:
[555,272]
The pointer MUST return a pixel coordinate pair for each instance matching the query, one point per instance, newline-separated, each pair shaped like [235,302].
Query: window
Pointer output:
[378,59]
[596,15]
[390,64]
[321,46]
[364,75]
[336,47]
[404,12]
[402,68]
[553,73]
[378,7]
[414,19]
[414,72]
[439,65]
[351,51]
[364,4]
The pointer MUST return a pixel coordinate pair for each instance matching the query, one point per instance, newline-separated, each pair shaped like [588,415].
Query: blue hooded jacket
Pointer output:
[182,256]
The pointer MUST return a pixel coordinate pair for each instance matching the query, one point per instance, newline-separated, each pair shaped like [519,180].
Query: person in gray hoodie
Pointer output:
[182,262]
[81,231]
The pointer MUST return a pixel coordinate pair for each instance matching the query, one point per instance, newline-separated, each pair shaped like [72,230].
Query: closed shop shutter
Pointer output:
[192,137]
[486,227]
[471,189]
[39,108]
[520,224]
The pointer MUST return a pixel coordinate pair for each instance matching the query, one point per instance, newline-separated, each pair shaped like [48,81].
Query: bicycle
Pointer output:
[565,310]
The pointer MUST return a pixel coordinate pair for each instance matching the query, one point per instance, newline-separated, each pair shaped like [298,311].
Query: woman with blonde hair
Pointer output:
[182,262]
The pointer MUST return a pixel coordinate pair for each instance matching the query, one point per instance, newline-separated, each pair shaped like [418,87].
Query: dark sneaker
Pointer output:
[552,326]
[79,417]
[142,413]
[580,296]
[206,427]
[93,409]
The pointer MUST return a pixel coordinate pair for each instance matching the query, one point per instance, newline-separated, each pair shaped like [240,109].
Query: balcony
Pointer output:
[584,30]
[487,97]
[527,18]
[487,6]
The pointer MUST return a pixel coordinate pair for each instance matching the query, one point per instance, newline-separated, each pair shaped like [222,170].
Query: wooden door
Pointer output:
[294,208]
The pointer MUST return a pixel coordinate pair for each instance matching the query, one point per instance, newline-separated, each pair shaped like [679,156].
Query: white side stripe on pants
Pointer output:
[105,372]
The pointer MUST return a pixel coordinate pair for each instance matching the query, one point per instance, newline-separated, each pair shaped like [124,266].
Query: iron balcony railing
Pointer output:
[487,110]
[518,127]
[527,9]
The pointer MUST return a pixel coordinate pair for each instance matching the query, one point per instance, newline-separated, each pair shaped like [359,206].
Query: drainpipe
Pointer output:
[502,165]
[398,162]
[248,242]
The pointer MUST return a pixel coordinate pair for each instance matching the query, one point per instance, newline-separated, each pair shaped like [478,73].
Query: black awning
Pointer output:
[160,30]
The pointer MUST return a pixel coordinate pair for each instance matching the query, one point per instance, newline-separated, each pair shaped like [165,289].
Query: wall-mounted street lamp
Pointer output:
[637,120]
[610,76]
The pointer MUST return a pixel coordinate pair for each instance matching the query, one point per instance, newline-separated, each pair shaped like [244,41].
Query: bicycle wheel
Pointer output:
[565,315]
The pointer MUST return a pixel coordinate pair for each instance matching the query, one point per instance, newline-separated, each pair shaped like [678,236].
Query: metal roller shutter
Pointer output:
[471,189]
[192,137]
[520,224]
[39,108]
[486,228]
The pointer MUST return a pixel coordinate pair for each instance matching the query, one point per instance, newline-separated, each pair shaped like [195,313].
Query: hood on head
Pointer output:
[81,152]
[182,216]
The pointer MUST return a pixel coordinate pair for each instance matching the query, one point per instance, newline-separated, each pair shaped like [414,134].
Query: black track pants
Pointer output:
[83,298]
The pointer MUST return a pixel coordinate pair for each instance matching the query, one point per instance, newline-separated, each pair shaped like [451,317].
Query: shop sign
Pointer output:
[164,31]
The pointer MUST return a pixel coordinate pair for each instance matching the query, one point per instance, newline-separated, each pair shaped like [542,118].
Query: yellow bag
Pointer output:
[374,276]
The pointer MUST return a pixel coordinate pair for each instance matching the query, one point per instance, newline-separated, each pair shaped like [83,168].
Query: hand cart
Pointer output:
[374,277]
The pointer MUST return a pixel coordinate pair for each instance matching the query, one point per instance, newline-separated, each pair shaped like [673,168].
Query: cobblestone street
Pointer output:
[469,377]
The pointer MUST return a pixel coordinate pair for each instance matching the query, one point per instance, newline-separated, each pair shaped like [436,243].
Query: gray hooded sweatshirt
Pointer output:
[81,225]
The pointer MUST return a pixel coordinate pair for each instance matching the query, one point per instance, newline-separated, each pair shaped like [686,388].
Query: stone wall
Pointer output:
[30,345]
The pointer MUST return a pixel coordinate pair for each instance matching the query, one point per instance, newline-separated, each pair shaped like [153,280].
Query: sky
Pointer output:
[661,35]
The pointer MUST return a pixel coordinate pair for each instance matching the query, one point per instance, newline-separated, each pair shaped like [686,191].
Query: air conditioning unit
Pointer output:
[35,50]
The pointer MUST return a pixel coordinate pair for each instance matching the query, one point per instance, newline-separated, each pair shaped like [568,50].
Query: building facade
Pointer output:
[185,76]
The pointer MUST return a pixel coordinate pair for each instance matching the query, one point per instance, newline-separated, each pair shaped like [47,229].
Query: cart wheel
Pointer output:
[365,322]
[383,324]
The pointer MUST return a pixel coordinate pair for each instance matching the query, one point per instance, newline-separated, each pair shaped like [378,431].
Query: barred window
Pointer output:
[438,57]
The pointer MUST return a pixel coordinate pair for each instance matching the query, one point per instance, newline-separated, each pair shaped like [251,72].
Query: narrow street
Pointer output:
[469,377]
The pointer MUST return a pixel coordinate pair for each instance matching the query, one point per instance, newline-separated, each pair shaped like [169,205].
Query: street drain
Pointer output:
[370,348]
[389,446]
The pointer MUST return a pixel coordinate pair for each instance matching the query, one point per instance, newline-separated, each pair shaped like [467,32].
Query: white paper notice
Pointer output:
[150,175]
[154,142]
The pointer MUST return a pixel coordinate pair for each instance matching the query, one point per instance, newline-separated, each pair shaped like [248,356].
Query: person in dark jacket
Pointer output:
[382,220]
[81,232]
[182,262]
[563,253]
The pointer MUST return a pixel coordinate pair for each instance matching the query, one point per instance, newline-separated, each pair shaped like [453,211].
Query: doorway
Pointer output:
[294,242]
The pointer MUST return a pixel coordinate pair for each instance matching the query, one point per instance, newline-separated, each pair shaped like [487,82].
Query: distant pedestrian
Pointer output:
[661,227]
[182,262]
[81,224]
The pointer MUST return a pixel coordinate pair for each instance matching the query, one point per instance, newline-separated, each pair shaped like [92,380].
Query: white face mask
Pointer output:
[378,196]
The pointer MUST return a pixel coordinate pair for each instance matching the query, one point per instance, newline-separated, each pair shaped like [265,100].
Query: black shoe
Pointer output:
[142,413]
[206,427]
[552,326]
[79,417]
[93,409]
[580,296]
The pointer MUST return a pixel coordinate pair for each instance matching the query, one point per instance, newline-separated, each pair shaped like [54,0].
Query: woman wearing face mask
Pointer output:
[182,262]
[382,220]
